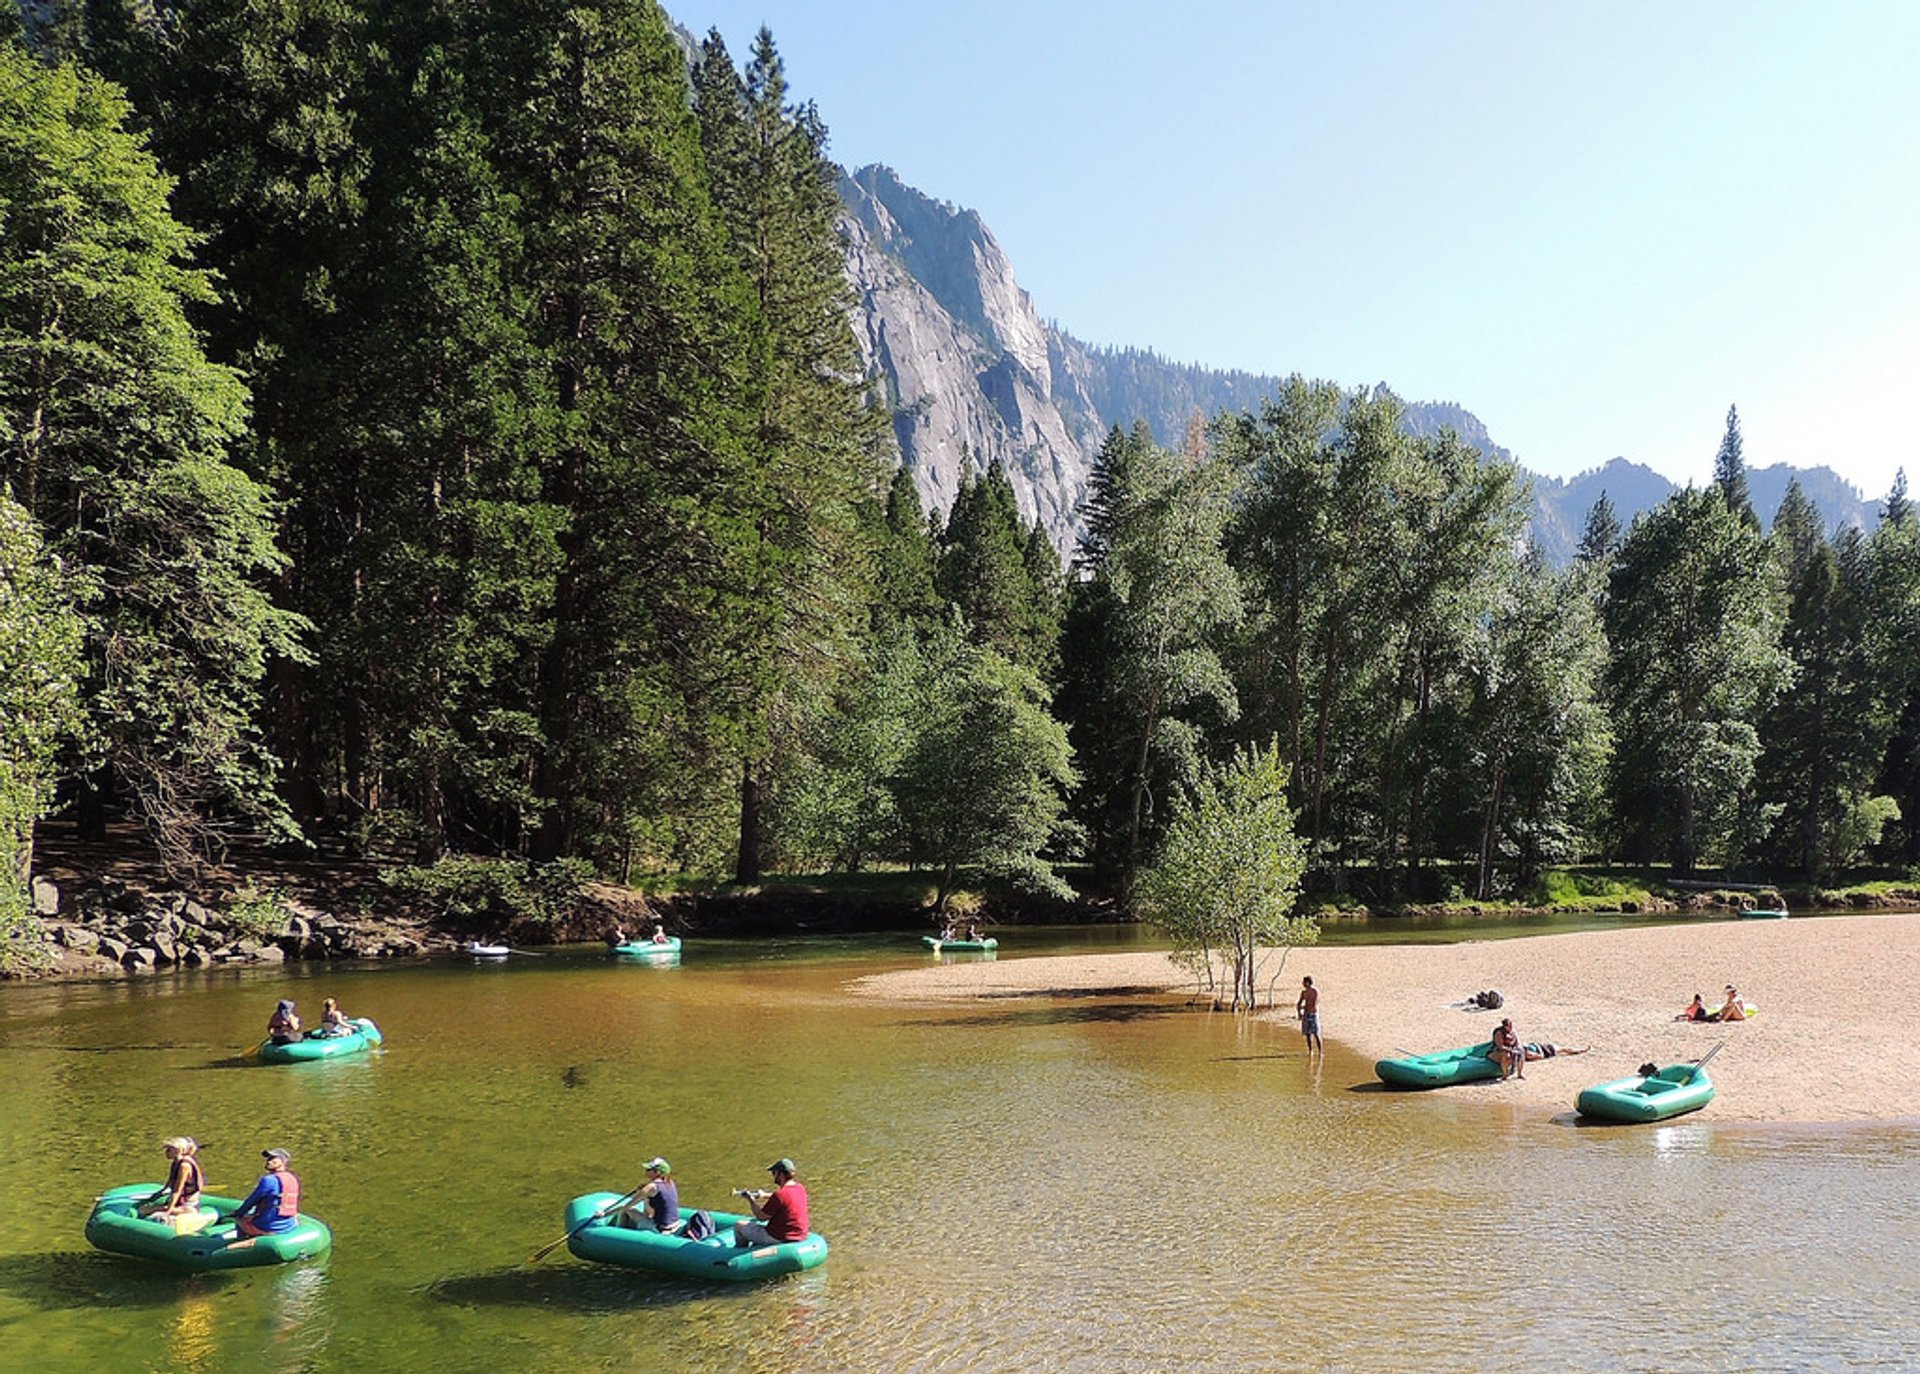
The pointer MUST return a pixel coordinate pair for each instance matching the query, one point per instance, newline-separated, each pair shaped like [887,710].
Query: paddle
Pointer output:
[529,953]
[1701,1062]
[551,1246]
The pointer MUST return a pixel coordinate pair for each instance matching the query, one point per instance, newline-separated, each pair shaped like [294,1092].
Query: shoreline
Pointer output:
[1836,1039]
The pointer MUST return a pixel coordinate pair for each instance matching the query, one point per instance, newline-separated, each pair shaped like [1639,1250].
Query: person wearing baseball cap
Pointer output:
[779,1216]
[655,1204]
[274,1204]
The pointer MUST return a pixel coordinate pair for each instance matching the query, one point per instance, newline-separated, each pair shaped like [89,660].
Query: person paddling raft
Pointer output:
[779,1216]
[283,1027]
[185,1181]
[655,1204]
[274,1204]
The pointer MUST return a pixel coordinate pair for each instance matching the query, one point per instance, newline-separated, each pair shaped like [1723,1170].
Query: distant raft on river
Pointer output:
[363,1037]
[716,1258]
[201,1240]
[939,946]
[668,948]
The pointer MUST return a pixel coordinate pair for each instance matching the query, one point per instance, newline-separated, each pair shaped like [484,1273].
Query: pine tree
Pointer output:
[1898,509]
[812,443]
[120,431]
[641,332]
[1602,534]
[1730,472]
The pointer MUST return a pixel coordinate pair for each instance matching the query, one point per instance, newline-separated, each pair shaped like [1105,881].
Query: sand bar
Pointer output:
[1837,1038]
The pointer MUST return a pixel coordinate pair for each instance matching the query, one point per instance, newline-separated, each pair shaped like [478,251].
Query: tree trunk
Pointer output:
[1489,831]
[746,866]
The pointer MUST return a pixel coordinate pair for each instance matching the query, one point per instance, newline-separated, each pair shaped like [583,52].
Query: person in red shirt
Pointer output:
[778,1216]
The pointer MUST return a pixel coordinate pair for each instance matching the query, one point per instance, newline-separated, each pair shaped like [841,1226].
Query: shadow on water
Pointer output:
[63,1280]
[594,1291]
[1057,1016]
[236,1061]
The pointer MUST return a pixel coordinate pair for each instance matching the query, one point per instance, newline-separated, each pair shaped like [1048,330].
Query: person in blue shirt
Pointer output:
[274,1204]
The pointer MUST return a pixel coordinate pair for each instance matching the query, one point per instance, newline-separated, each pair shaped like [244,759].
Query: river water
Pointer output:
[1071,1185]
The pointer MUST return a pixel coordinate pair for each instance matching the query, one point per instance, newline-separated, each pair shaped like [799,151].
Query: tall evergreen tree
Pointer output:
[1730,472]
[812,438]
[1827,730]
[1898,508]
[983,571]
[1159,590]
[118,433]
[641,330]
[1602,533]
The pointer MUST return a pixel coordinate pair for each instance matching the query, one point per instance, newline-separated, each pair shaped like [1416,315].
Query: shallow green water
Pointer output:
[1082,1184]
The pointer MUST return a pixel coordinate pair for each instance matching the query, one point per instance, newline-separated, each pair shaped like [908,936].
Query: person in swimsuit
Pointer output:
[1508,1052]
[1733,1009]
[1546,1049]
[1696,1010]
[1307,1008]
[184,1180]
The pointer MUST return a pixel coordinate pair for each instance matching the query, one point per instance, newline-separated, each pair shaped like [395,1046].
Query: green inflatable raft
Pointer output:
[117,1228]
[1468,1064]
[716,1258]
[939,946]
[650,949]
[1674,1090]
[364,1036]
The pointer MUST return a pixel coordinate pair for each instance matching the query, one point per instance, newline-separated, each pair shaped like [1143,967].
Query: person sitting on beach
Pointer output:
[283,1027]
[1696,1010]
[1546,1049]
[1733,1009]
[184,1180]
[656,1203]
[1508,1052]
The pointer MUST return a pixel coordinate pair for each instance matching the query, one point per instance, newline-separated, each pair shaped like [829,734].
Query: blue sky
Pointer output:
[1594,225]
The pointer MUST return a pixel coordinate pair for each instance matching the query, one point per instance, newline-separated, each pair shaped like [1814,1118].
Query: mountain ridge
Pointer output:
[972,373]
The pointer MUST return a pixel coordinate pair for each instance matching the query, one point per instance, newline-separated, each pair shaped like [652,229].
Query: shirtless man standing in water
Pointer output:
[1308,1010]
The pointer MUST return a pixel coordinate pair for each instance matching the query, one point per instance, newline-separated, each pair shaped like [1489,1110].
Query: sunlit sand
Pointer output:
[1837,1037]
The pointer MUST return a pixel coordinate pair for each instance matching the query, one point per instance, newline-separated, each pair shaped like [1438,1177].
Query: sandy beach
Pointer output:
[1837,1037]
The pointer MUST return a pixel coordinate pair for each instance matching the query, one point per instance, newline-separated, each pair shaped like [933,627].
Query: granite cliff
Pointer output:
[971,372]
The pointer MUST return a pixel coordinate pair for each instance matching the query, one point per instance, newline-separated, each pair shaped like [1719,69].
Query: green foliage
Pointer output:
[986,571]
[480,896]
[257,913]
[119,432]
[1695,662]
[983,778]
[40,710]
[1560,889]
[1156,595]
[1226,881]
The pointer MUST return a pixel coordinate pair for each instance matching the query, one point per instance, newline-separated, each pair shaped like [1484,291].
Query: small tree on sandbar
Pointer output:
[1228,874]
